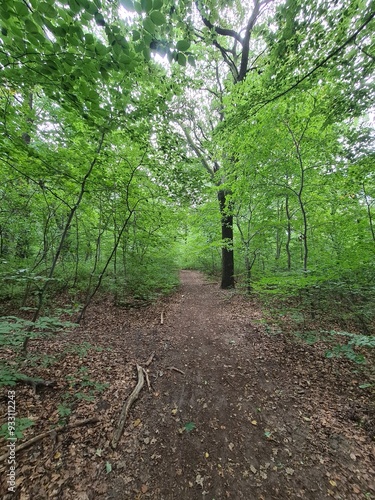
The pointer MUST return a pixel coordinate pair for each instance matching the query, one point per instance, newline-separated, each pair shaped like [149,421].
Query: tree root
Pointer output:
[41,436]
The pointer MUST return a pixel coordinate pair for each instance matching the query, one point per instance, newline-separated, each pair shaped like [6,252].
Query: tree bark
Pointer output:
[227,254]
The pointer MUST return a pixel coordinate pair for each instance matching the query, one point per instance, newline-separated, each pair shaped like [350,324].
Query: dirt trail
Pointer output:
[255,415]
[245,420]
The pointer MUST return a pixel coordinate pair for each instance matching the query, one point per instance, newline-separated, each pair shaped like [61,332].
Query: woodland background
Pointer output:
[140,138]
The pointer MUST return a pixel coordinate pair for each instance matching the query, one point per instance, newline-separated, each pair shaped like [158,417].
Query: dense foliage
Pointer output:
[124,122]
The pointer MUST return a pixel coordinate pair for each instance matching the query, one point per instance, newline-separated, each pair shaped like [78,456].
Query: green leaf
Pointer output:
[191,61]
[30,26]
[100,49]
[365,386]
[20,425]
[183,45]
[117,49]
[63,410]
[138,48]
[146,5]
[157,4]
[93,95]
[108,467]
[60,31]
[99,19]
[91,9]
[21,9]
[138,7]
[136,35]
[90,40]
[147,53]
[47,10]
[147,39]
[181,59]
[189,426]
[74,6]
[149,25]
[158,18]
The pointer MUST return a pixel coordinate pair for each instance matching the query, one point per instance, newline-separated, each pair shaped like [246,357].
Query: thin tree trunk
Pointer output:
[101,275]
[77,254]
[369,214]
[279,239]
[117,241]
[73,210]
[249,266]
[288,233]
[227,276]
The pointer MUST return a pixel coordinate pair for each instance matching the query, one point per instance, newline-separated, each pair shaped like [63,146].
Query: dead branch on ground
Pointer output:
[125,409]
[147,379]
[36,382]
[41,436]
[150,359]
[173,368]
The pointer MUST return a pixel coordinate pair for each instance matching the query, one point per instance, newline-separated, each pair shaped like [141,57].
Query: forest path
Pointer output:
[256,414]
[252,417]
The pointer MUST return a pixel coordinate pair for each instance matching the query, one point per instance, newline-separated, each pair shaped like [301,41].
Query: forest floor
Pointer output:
[235,410]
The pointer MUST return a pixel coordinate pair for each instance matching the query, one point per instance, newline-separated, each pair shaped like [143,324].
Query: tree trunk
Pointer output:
[227,274]
[289,233]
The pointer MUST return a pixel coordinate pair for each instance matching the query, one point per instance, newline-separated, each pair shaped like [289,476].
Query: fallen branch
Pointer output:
[41,436]
[36,382]
[125,409]
[173,368]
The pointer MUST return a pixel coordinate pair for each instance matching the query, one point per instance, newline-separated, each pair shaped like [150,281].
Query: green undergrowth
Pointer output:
[338,312]
[141,278]
[19,368]
[346,301]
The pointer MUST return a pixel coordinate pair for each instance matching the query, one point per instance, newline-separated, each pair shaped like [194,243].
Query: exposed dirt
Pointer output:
[253,415]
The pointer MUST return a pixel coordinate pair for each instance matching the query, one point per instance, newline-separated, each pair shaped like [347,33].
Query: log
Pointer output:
[125,409]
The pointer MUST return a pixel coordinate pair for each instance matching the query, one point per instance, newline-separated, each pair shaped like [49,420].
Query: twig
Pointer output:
[173,368]
[147,379]
[37,438]
[150,359]
[125,409]
[162,318]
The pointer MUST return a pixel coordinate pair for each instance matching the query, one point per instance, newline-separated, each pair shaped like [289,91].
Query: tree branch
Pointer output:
[196,150]
[246,41]
[319,65]
[218,30]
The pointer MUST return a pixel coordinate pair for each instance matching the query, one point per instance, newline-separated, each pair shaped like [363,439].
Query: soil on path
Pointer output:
[234,413]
